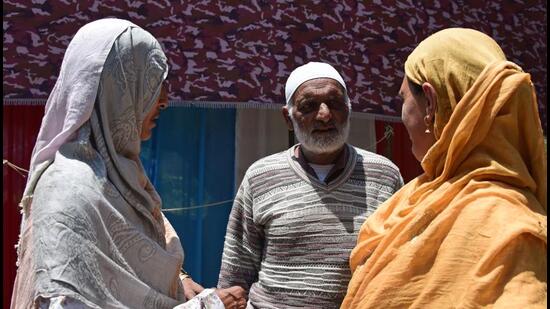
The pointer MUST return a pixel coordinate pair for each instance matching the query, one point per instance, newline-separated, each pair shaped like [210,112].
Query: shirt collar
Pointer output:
[339,163]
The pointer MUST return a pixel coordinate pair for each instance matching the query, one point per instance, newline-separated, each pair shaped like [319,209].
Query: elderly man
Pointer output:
[297,213]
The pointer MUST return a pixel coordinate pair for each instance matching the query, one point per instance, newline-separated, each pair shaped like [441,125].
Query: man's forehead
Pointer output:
[314,85]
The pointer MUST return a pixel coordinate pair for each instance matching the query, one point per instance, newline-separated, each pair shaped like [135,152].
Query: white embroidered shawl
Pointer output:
[92,228]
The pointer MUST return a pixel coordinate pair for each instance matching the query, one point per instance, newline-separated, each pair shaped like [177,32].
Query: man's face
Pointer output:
[320,115]
[149,120]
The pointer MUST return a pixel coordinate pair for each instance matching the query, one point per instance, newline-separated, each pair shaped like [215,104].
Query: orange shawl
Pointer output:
[471,231]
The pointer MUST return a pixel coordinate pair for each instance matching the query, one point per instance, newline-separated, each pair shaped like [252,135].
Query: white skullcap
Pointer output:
[307,72]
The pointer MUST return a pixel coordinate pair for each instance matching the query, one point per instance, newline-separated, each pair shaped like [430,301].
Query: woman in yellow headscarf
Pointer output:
[471,231]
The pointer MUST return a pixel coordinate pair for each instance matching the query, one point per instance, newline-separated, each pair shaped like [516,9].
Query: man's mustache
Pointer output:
[326,126]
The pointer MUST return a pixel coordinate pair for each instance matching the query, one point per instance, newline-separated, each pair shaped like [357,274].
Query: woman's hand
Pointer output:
[190,287]
[233,297]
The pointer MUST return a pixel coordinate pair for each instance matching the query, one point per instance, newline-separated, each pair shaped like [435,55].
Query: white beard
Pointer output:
[321,144]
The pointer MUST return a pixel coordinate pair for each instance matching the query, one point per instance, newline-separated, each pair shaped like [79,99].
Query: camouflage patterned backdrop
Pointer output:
[242,51]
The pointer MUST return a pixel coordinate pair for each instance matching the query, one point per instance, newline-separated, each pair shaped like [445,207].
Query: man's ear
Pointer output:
[431,99]
[288,121]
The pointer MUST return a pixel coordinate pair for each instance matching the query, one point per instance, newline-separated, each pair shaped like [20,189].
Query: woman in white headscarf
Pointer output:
[93,234]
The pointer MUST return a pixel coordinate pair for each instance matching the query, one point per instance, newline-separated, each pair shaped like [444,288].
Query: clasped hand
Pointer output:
[233,297]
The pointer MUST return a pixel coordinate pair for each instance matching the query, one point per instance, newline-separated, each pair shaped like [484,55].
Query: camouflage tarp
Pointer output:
[240,52]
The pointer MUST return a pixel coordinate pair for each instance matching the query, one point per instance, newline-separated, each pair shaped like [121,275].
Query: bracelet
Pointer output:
[184,274]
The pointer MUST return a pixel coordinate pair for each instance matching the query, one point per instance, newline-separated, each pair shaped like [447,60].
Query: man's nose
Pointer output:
[323,114]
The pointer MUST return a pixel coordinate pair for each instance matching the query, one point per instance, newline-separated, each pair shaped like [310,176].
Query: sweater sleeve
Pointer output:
[399,183]
[244,242]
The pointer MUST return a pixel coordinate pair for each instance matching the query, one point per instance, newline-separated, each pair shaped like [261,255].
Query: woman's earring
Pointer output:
[428,123]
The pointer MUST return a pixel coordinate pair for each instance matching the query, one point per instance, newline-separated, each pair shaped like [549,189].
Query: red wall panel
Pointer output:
[20,125]
[398,149]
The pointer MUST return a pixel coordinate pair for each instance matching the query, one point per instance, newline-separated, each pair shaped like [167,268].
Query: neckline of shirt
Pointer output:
[346,173]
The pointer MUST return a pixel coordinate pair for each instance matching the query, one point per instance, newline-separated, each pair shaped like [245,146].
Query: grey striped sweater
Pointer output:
[289,235]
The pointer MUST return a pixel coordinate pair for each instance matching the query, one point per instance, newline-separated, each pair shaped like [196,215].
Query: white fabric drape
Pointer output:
[261,132]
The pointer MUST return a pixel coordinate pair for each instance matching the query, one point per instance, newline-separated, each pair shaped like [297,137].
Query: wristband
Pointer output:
[184,274]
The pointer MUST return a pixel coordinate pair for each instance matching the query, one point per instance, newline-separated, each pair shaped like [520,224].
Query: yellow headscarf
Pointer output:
[448,62]
[470,231]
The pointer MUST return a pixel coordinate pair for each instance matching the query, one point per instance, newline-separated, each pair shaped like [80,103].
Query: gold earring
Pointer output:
[428,123]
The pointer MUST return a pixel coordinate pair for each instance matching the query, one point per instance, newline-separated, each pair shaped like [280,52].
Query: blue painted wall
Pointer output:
[190,160]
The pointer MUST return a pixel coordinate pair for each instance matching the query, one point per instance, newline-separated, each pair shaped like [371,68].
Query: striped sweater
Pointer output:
[289,235]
